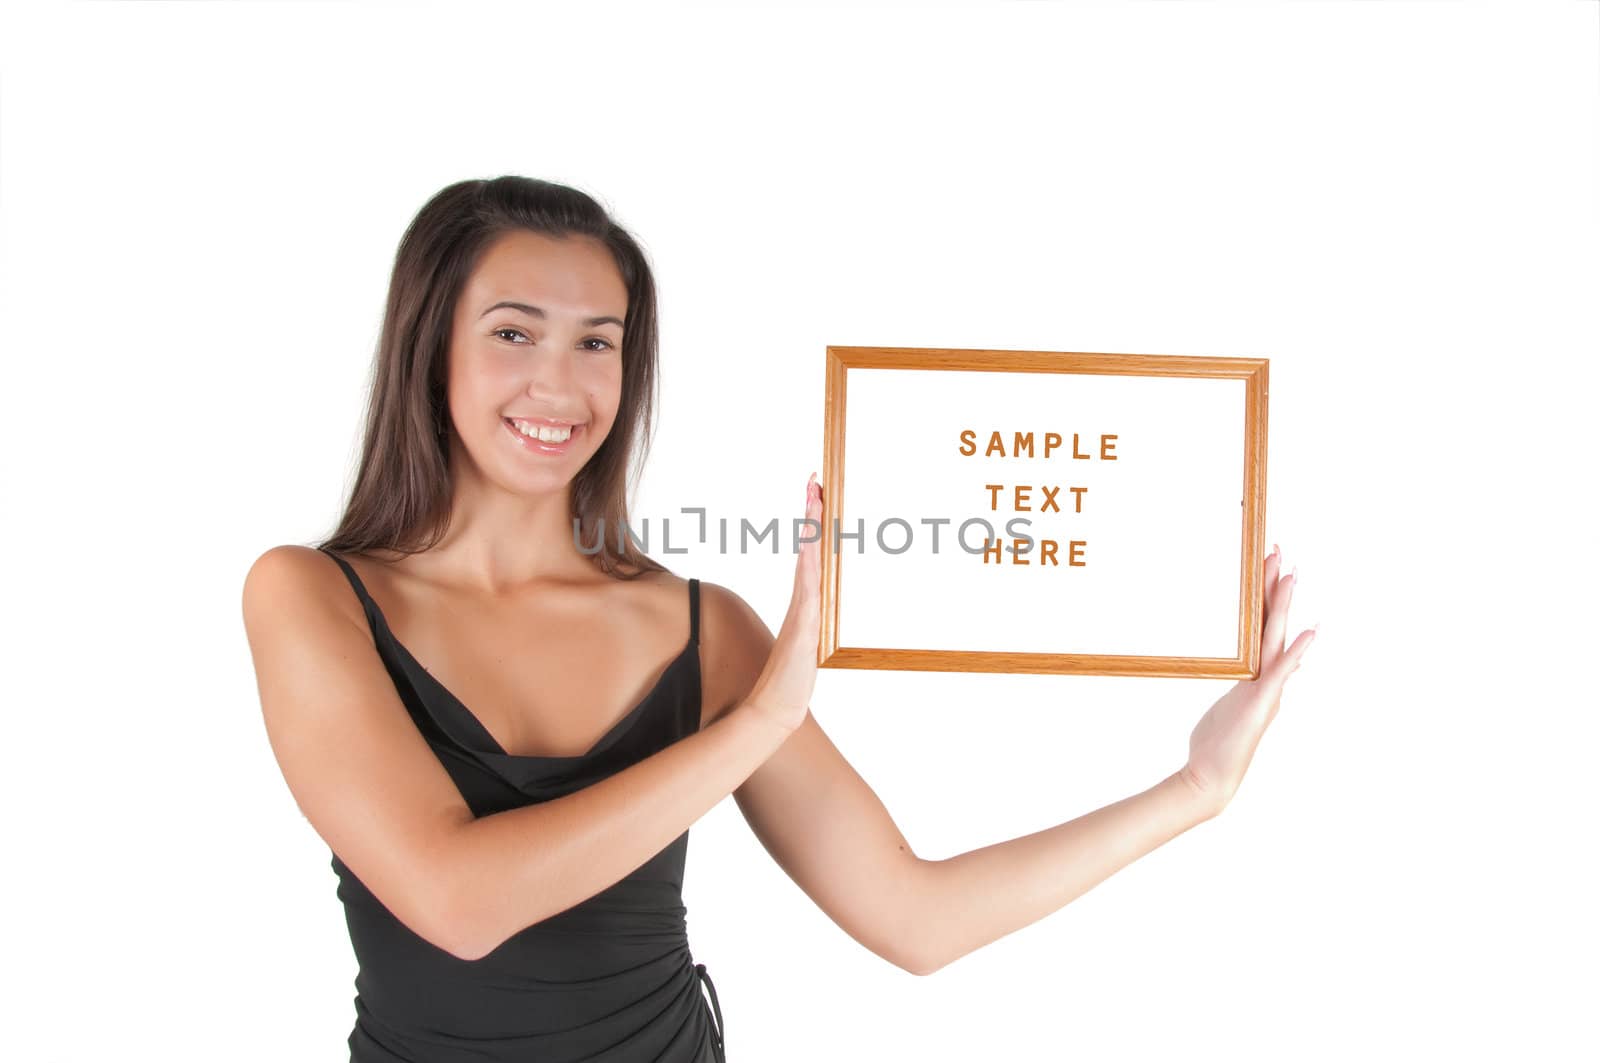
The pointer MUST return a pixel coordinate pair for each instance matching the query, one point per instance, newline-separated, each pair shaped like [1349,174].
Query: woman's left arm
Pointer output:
[829,831]
[976,897]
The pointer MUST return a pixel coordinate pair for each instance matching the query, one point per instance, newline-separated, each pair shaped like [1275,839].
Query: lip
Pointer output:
[539,447]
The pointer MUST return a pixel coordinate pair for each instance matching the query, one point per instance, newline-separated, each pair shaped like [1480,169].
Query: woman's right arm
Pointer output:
[374,790]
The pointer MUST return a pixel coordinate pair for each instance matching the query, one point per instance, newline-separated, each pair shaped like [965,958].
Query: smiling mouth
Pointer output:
[544,435]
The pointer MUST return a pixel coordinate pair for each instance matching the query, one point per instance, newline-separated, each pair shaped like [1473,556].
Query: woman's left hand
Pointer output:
[1225,739]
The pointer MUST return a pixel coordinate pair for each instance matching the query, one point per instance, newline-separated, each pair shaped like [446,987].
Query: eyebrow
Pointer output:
[534,311]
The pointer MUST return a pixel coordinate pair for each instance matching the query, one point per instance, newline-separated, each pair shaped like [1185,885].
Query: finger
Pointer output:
[800,554]
[1285,595]
[806,561]
[1289,662]
[1277,617]
[1297,651]
[1269,579]
[814,511]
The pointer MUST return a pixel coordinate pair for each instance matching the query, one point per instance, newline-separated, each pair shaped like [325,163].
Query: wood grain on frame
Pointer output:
[1245,663]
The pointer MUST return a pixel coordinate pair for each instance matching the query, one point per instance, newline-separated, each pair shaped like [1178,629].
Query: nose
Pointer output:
[551,378]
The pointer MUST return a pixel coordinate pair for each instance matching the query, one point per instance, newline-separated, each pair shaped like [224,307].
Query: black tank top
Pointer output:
[609,980]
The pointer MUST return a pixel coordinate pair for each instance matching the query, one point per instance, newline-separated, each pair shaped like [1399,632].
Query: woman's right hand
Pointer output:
[782,692]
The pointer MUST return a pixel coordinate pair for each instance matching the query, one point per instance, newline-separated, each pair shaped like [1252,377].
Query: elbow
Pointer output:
[918,950]
[467,955]
[920,963]
[462,946]
[459,934]
[440,920]
[453,920]
[469,926]
[458,903]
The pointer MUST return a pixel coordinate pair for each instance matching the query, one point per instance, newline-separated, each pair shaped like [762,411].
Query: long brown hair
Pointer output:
[401,497]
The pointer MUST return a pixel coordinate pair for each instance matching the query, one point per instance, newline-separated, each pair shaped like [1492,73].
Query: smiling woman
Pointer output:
[510,858]
[509,821]
[555,386]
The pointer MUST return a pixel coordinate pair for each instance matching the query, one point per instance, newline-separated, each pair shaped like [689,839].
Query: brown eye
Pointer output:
[513,331]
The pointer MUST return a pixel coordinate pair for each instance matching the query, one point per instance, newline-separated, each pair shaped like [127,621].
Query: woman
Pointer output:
[503,719]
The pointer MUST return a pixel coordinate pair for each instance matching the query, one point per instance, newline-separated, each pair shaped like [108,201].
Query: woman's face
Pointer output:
[553,358]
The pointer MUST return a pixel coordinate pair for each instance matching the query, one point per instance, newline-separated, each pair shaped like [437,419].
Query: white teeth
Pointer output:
[543,433]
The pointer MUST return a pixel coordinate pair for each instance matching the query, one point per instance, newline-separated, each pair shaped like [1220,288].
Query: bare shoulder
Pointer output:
[736,643]
[389,813]
[289,576]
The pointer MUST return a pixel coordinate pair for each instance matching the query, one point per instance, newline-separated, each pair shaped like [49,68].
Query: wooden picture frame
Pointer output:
[1199,457]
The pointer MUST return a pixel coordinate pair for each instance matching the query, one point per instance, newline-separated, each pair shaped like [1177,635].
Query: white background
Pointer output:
[1394,202]
[1162,506]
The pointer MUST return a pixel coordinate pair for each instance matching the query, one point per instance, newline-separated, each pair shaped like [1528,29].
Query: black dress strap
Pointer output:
[694,611]
[355,581]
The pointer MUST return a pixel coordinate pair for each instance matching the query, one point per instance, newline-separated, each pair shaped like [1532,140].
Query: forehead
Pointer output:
[566,274]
